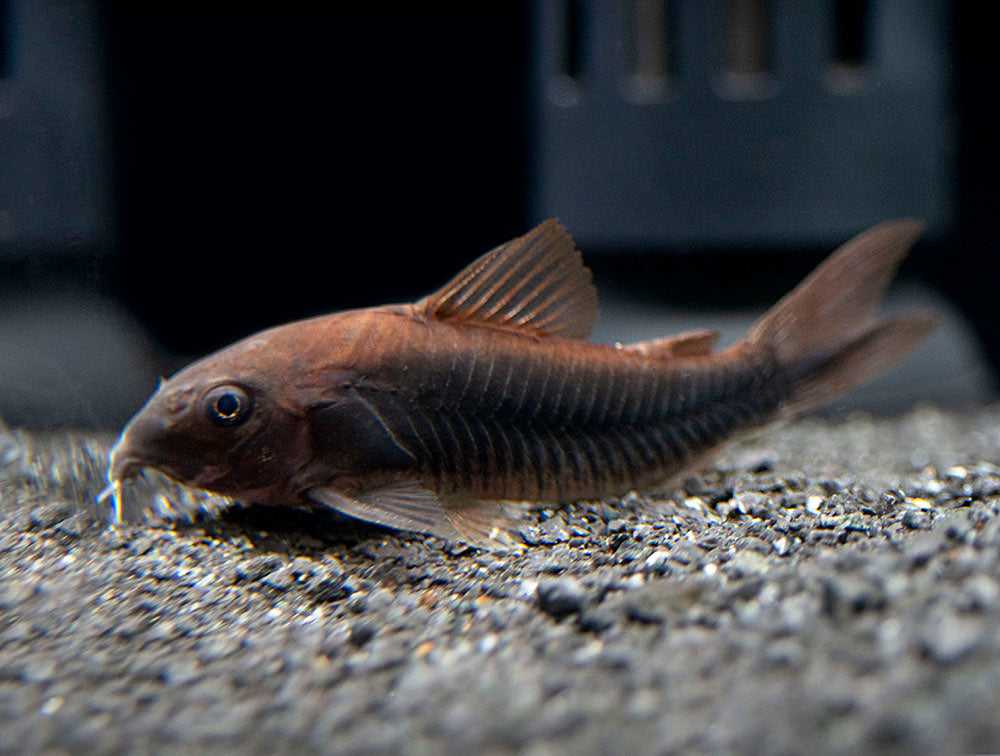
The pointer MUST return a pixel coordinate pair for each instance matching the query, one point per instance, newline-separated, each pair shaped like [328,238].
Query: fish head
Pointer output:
[214,427]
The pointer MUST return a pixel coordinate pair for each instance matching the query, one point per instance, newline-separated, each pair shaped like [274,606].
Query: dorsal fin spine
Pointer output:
[500,276]
[539,288]
[506,300]
[536,283]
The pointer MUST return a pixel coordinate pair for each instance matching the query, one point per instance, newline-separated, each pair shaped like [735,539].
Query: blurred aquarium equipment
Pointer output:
[68,354]
[780,122]
[55,168]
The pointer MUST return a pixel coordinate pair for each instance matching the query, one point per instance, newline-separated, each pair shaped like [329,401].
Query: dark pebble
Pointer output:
[745,589]
[140,545]
[327,589]
[844,595]
[796,500]
[74,526]
[617,526]
[647,607]
[918,519]
[561,597]
[921,548]
[551,566]
[831,486]
[357,603]
[784,652]
[250,570]
[753,504]
[362,633]
[49,515]
[596,619]
[883,505]
[979,593]
[986,486]
[281,579]
[954,524]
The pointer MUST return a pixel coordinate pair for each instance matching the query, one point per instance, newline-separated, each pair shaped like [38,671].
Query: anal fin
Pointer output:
[487,524]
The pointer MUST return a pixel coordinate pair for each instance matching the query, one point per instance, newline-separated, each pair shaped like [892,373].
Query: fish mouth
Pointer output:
[125,468]
[122,467]
[140,446]
[126,464]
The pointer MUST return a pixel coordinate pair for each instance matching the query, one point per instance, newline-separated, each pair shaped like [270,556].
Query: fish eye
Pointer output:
[227,405]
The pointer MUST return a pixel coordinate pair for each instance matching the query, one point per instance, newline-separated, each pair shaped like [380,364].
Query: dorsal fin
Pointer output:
[535,283]
[688,344]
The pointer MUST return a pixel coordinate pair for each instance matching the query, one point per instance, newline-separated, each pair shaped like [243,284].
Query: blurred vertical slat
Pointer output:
[748,36]
[55,183]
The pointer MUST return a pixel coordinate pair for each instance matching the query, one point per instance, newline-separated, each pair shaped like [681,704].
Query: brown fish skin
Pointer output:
[427,416]
[494,414]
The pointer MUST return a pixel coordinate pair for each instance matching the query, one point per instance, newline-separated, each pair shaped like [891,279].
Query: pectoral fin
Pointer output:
[406,505]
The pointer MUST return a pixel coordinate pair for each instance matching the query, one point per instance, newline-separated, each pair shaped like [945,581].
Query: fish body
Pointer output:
[430,416]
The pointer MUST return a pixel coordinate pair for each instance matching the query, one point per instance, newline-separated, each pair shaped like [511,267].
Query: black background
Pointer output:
[274,164]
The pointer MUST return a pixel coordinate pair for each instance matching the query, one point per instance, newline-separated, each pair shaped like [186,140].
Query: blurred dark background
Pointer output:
[175,177]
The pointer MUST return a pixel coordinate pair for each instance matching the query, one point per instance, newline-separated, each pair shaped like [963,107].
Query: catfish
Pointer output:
[437,416]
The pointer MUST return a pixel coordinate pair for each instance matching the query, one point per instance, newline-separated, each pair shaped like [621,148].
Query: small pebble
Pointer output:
[918,519]
[561,597]
[596,619]
[362,633]
[617,526]
[948,637]
[49,515]
[253,569]
[844,595]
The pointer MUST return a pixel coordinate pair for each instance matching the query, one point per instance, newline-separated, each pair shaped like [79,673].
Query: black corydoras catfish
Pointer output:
[431,416]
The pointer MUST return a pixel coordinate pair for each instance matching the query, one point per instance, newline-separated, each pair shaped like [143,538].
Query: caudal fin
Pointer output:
[825,334]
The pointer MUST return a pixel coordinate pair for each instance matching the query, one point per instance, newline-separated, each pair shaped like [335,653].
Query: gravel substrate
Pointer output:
[826,586]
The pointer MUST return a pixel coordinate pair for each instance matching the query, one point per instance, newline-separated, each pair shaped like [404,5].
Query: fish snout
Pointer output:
[129,455]
[123,468]
[136,448]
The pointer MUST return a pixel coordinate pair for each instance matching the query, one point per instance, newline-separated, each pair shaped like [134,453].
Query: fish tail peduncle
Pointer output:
[825,333]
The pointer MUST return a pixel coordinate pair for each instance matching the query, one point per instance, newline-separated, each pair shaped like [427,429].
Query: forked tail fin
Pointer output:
[825,332]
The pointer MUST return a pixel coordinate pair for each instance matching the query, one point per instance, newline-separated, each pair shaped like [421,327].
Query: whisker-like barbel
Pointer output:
[112,491]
